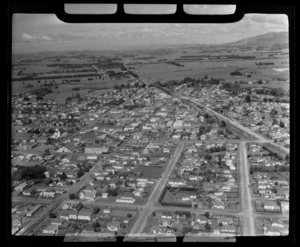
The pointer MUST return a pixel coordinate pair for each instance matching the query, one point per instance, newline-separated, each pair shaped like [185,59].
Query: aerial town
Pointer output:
[138,144]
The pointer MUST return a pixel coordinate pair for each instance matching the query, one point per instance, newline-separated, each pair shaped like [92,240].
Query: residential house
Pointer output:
[96,149]
[114,226]
[218,205]
[66,149]
[88,193]
[166,222]
[73,214]
[225,220]
[125,198]
[33,210]
[65,214]
[113,182]
[47,194]
[177,182]
[227,229]
[106,210]
[201,219]
[50,229]
[21,186]
[57,221]
[166,215]
[84,214]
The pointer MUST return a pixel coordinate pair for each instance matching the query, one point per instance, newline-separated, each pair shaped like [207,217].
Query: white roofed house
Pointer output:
[85,214]
[125,198]
[48,193]
[96,149]
[88,193]
[176,182]
[56,134]
[67,148]
[51,229]
[20,187]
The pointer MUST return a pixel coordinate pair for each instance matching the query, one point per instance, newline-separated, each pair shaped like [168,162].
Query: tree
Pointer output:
[72,196]
[207,214]
[34,172]
[96,224]
[47,181]
[86,169]
[96,210]
[248,98]
[80,173]
[75,226]
[207,226]
[222,124]
[220,160]
[129,215]
[52,215]
[69,183]
[63,176]
[208,157]
[117,87]
[281,124]
[287,158]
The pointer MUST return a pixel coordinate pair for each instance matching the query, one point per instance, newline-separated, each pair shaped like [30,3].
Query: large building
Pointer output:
[96,150]
[126,198]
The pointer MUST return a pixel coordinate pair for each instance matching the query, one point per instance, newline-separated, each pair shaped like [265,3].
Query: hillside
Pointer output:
[267,38]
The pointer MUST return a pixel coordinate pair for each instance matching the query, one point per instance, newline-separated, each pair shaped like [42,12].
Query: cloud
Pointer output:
[26,36]
[279,19]
[64,37]
[46,38]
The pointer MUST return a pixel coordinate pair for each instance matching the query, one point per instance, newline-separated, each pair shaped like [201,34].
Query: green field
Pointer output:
[151,172]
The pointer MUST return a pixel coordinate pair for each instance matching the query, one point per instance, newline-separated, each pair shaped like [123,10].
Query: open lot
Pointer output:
[151,172]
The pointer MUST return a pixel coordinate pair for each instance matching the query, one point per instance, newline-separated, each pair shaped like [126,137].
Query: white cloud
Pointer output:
[26,36]
[46,38]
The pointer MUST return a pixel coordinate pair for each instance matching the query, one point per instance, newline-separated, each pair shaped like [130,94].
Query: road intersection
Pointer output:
[246,213]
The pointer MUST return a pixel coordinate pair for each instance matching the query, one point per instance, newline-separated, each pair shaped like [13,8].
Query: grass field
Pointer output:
[151,172]
[150,73]
[216,69]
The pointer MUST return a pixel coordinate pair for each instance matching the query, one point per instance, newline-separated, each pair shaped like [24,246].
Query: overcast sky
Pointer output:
[45,32]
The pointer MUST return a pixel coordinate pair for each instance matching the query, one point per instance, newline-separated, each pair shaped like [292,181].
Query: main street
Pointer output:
[235,124]
[141,221]
[246,200]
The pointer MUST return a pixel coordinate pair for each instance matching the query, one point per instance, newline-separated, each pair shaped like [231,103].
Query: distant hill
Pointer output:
[267,38]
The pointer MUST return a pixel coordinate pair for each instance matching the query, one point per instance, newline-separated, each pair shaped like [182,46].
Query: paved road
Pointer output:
[236,124]
[163,180]
[30,199]
[35,224]
[246,200]
[141,222]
